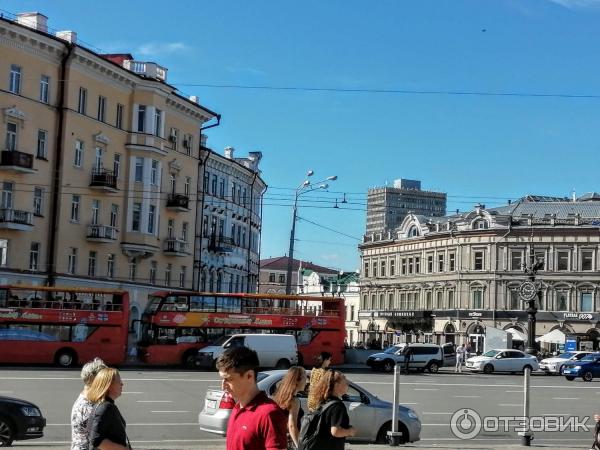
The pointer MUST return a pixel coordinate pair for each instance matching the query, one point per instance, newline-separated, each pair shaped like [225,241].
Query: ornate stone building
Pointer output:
[448,278]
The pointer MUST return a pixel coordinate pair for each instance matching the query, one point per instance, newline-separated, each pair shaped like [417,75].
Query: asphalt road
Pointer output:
[161,407]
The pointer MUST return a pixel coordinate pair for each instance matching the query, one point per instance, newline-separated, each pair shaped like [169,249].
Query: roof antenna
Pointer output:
[336,205]
[344,200]
[573,196]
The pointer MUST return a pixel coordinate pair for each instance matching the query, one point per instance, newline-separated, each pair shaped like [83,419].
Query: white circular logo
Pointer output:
[465,423]
[528,290]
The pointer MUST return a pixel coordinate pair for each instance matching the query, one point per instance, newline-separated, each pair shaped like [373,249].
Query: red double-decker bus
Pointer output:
[176,325]
[62,325]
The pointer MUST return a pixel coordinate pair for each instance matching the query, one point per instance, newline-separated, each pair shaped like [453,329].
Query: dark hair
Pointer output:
[240,359]
[324,356]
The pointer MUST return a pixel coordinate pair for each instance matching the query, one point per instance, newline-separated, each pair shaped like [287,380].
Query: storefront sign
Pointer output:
[578,316]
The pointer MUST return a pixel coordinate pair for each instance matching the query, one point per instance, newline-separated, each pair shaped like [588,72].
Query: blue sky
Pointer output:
[476,148]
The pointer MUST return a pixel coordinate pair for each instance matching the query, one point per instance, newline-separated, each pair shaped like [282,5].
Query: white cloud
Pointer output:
[160,48]
[576,4]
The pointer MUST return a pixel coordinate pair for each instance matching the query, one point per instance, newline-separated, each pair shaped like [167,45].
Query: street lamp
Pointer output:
[304,188]
[529,291]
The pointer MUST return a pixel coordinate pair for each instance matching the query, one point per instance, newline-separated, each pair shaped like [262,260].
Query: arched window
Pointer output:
[413,231]
[219,281]
[480,224]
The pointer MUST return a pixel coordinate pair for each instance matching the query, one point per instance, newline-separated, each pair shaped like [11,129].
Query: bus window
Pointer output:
[181,303]
[153,302]
[58,332]
[196,303]
[170,304]
[166,336]
[210,304]
[228,304]
[3,298]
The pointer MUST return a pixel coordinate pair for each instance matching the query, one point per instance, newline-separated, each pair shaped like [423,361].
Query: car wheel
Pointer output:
[189,359]
[65,358]
[382,434]
[587,376]
[433,367]
[569,378]
[6,433]
[560,371]
[282,364]
[527,366]
[388,365]
[488,368]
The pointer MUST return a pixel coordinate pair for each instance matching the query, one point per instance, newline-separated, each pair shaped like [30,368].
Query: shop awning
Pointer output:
[516,334]
[553,337]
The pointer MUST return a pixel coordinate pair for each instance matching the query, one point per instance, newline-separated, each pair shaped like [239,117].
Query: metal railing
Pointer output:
[16,216]
[103,177]
[15,158]
[102,232]
[178,201]
[174,245]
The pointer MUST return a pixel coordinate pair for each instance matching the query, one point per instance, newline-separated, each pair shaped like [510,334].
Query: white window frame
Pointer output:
[152,275]
[154,172]
[75,208]
[110,265]
[7,198]
[158,120]
[72,261]
[136,212]
[82,101]
[139,170]
[12,136]
[42,144]
[141,118]
[151,218]
[117,165]
[79,151]
[38,201]
[92,263]
[44,89]
[119,116]
[101,108]
[14,82]
[95,211]
[34,256]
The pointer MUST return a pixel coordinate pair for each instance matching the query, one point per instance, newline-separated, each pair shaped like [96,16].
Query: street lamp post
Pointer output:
[305,187]
[529,291]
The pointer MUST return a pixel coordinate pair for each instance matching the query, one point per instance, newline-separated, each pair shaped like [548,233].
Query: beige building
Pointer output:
[448,278]
[99,168]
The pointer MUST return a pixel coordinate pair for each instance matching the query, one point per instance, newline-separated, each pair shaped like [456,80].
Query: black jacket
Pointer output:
[108,423]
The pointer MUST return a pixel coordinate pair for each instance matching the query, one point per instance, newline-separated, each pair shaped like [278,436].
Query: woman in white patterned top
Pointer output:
[82,408]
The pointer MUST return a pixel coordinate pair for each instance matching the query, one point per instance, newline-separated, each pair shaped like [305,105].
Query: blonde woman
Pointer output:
[108,426]
[285,397]
[82,408]
[321,366]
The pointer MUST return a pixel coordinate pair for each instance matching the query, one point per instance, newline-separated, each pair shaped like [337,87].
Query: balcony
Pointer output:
[101,233]
[103,179]
[178,202]
[147,69]
[221,244]
[14,161]
[175,247]
[14,219]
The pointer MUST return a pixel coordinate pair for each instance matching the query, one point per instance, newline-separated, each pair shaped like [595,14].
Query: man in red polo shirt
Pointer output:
[256,422]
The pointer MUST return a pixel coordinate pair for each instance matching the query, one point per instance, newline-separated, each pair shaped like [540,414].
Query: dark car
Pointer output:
[19,420]
[588,368]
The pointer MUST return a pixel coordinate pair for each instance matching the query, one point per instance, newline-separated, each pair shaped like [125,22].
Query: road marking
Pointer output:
[424,389]
[510,404]
[6,392]
[565,398]
[404,403]
[170,411]
[467,396]
[518,392]
[187,424]
[154,401]
[132,393]
[438,413]
[558,414]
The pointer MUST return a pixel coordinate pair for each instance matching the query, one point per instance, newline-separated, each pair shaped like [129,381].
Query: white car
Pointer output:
[502,360]
[554,365]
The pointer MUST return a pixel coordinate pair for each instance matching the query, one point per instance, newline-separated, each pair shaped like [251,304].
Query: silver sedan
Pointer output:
[371,416]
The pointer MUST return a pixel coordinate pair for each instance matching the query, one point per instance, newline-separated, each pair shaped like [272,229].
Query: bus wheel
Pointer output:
[189,359]
[282,364]
[66,358]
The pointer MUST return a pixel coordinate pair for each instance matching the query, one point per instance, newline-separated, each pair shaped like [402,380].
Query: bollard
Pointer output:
[394,436]
[527,434]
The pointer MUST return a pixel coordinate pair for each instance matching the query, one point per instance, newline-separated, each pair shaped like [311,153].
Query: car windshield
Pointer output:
[221,340]
[566,355]
[491,353]
[261,376]
[393,349]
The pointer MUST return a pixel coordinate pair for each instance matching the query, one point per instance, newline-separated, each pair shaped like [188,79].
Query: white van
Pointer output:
[274,350]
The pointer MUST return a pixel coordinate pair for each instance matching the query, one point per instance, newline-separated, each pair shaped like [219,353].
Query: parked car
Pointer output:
[587,368]
[423,357]
[555,364]
[502,360]
[19,420]
[274,350]
[371,416]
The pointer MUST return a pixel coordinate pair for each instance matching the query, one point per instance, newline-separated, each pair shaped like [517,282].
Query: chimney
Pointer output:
[509,201]
[229,152]
[195,99]
[67,35]
[33,20]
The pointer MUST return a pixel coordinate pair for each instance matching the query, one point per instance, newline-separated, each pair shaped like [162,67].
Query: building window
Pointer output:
[75,206]
[154,173]
[206,182]
[110,265]
[480,224]
[101,108]
[440,263]
[244,197]
[114,215]
[139,169]
[439,300]
[42,143]
[11,136]
[429,300]
[119,119]
[562,301]
[170,226]
[478,260]
[382,267]
[34,256]
[7,195]
[222,188]
[72,262]
[132,269]
[168,274]
[516,260]
[174,138]
[152,276]
[136,217]
[38,201]
[515,300]
[14,83]
[271,277]
[450,299]
[186,186]
[429,263]
[78,156]
[366,269]
[562,260]
[184,231]
[205,226]
[417,264]
[141,125]
[92,264]
[151,218]
[587,258]
[116,164]
[44,88]
[375,269]
[213,189]
[477,296]
[3,252]
[281,279]
[95,211]
[413,232]
[403,266]
[188,143]
[182,279]
[158,122]
[392,267]
[172,184]
[410,265]
[233,192]
[586,301]
[82,102]
[98,161]
[451,262]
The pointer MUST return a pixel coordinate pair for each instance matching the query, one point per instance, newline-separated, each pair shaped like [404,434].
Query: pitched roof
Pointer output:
[281,262]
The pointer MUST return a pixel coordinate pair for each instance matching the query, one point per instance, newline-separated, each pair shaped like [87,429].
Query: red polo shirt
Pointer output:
[260,425]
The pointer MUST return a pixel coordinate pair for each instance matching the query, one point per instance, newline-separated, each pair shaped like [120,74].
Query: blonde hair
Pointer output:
[324,388]
[98,390]
[91,369]
[286,391]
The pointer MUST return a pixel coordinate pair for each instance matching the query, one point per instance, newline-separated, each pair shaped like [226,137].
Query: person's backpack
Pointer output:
[310,437]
